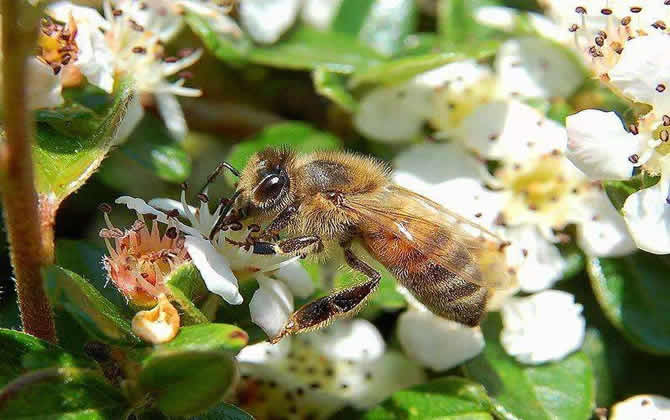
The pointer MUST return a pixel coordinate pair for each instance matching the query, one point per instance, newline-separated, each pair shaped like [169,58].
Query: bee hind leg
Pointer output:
[340,304]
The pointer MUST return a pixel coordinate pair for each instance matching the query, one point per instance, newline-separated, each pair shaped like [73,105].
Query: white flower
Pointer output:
[642,74]
[599,145]
[543,327]
[43,87]
[642,407]
[93,57]
[647,214]
[509,19]
[319,372]
[221,263]
[435,342]
[536,68]
[266,20]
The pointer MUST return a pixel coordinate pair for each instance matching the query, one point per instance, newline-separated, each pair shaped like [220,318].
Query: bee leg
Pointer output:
[308,244]
[342,303]
[280,222]
[212,177]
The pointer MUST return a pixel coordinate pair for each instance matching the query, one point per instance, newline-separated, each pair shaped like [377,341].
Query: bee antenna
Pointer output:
[224,212]
[212,177]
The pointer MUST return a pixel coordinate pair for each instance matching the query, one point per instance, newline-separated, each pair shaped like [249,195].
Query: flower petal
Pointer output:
[296,278]
[603,233]
[320,13]
[265,352]
[643,74]
[544,327]
[214,269]
[429,164]
[448,343]
[647,214]
[599,145]
[642,407]
[44,87]
[267,20]
[537,68]
[134,115]
[172,115]
[271,305]
[356,340]
[142,207]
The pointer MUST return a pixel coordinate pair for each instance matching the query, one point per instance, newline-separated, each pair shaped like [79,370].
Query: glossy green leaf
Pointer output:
[186,286]
[65,393]
[224,412]
[594,348]
[152,147]
[20,353]
[97,315]
[207,337]
[71,142]
[618,191]
[633,292]
[334,87]
[187,382]
[444,398]
[402,69]
[351,16]
[299,136]
[303,48]
[560,390]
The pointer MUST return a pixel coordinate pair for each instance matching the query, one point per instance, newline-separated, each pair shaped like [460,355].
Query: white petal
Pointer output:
[95,59]
[296,278]
[537,68]
[603,232]
[172,115]
[544,327]
[504,18]
[271,305]
[44,87]
[134,115]
[168,204]
[436,342]
[62,10]
[214,269]
[356,340]
[390,373]
[643,73]
[142,207]
[434,163]
[394,114]
[642,407]
[320,13]
[599,145]
[511,131]
[537,261]
[265,352]
[647,214]
[267,20]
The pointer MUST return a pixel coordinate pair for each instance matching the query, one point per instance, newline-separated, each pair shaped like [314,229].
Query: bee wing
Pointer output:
[415,219]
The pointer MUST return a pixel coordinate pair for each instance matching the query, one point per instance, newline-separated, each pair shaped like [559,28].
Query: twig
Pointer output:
[19,198]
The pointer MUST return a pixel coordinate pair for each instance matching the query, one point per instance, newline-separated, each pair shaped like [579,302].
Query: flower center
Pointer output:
[56,43]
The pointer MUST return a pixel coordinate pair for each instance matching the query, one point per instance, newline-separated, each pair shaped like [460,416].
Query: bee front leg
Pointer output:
[340,304]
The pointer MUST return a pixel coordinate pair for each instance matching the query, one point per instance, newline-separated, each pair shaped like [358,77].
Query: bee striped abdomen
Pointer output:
[442,290]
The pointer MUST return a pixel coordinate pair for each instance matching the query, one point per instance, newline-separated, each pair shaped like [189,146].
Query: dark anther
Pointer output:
[660,88]
[235,226]
[626,20]
[171,59]
[634,158]
[150,217]
[635,9]
[171,232]
[581,10]
[174,213]
[573,28]
[139,50]
[104,207]
[606,12]
[203,197]
[633,129]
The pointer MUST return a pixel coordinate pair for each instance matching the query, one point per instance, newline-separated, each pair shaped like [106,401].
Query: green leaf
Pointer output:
[633,293]
[65,393]
[594,348]
[351,16]
[456,22]
[560,390]
[618,191]
[405,68]
[298,136]
[98,316]
[207,337]
[444,398]
[71,142]
[240,316]
[334,87]
[152,147]
[187,382]
[304,48]
[20,352]
[186,286]
[224,412]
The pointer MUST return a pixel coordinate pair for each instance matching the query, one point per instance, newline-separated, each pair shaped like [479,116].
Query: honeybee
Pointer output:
[327,202]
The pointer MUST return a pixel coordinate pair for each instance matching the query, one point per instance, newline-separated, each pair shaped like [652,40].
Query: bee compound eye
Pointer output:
[270,187]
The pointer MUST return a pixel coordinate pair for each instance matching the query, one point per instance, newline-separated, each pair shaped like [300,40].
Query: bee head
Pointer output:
[265,181]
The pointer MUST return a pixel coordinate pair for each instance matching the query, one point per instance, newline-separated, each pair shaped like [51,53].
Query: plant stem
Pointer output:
[19,198]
